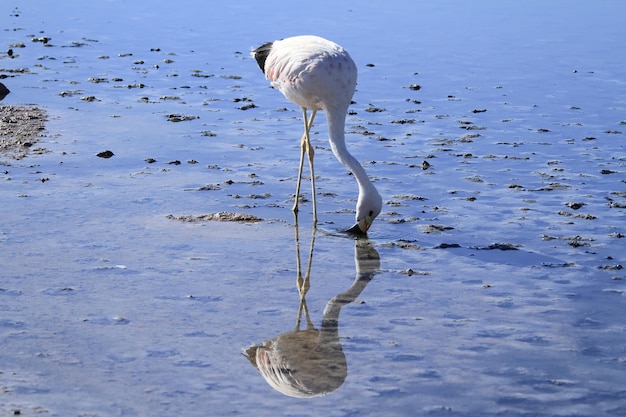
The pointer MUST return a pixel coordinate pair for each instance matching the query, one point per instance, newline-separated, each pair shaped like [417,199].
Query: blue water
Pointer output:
[109,307]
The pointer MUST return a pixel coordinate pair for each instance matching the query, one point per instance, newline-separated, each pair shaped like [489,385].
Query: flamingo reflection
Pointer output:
[308,362]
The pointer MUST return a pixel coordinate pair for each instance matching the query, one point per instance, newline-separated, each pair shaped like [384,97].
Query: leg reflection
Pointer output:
[310,362]
[303,283]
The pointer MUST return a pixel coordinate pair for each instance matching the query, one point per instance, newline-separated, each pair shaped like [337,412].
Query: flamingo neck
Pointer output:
[336,120]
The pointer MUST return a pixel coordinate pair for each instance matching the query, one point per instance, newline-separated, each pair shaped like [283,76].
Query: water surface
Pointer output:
[499,289]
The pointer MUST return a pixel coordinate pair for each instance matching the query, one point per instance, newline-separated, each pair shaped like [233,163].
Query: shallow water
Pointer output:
[500,288]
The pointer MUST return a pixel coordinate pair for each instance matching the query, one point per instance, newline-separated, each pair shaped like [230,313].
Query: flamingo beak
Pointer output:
[360,228]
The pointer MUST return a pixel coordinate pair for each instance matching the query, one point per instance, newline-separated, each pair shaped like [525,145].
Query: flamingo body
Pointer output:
[311,72]
[317,74]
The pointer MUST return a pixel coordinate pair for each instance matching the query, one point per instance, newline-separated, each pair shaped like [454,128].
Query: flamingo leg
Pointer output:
[303,149]
[306,147]
[310,153]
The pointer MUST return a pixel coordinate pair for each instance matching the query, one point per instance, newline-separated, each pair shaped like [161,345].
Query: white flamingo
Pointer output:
[317,74]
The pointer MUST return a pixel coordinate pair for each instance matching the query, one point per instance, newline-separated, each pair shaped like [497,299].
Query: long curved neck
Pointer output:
[336,130]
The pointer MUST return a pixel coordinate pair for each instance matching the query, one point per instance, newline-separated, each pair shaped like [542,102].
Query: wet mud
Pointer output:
[21,128]
[221,217]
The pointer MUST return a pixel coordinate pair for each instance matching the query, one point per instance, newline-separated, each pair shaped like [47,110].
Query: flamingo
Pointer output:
[317,74]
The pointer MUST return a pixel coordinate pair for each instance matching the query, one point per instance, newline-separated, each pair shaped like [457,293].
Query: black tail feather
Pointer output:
[261,53]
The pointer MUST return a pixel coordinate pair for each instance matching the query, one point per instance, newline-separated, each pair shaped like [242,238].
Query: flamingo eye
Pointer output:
[371,213]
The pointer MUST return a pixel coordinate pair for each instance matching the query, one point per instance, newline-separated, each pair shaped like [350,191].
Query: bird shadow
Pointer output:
[307,361]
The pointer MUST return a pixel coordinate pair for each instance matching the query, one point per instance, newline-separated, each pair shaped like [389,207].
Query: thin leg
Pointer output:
[305,146]
[302,150]
[311,153]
